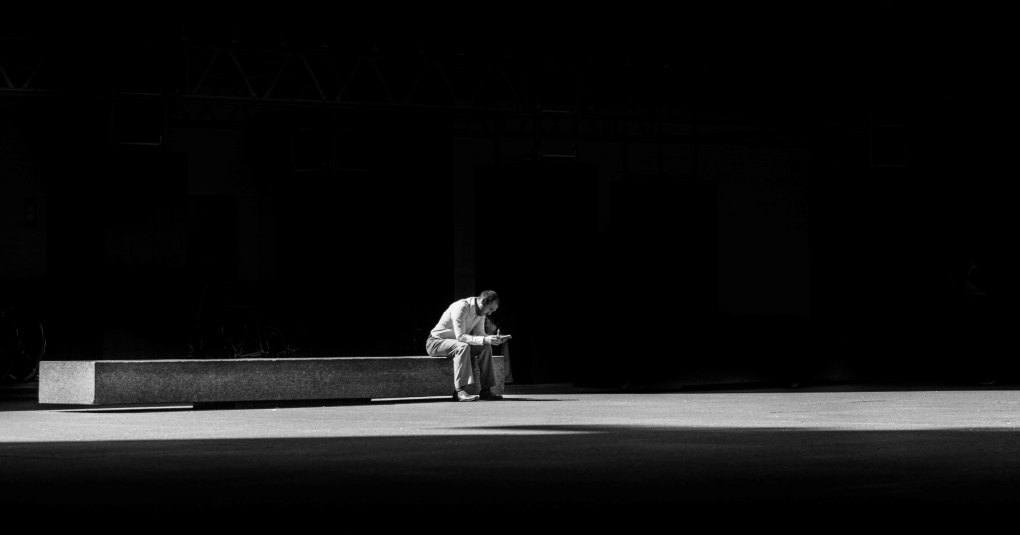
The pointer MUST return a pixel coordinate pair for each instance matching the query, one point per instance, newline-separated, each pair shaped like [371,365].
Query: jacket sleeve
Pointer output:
[458,314]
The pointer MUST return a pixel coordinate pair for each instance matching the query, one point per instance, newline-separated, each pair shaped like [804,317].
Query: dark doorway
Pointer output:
[660,289]
[536,232]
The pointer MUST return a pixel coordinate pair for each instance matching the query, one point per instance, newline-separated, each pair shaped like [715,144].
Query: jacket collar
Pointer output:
[473,301]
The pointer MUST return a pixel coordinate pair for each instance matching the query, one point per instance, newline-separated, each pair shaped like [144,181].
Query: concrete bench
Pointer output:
[212,381]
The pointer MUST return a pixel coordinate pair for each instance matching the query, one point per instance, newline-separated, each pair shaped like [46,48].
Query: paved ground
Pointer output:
[586,456]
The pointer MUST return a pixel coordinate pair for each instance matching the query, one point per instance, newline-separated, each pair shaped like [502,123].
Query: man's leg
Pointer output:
[487,374]
[461,353]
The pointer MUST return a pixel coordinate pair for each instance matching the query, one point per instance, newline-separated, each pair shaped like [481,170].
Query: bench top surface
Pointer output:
[286,359]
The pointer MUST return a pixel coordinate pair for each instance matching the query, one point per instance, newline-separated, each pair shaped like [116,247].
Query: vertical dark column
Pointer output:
[468,155]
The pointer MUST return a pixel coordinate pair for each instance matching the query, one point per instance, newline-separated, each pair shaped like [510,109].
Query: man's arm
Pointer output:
[458,314]
[491,332]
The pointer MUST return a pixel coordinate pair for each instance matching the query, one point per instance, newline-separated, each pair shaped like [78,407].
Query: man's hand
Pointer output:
[494,340]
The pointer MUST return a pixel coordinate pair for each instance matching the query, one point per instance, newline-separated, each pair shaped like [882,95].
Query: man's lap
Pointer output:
[444,347]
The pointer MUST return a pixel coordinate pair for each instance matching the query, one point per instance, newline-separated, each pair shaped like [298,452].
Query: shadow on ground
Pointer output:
[580,474]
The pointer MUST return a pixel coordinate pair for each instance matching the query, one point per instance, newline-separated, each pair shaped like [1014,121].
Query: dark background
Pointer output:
[694,198]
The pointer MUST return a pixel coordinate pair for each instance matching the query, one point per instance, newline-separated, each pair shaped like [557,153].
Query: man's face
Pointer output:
[490,308]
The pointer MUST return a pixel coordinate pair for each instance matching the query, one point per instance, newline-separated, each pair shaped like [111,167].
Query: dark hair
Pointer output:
[488,296]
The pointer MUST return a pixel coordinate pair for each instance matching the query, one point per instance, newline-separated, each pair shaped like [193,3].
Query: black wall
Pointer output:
[766,210]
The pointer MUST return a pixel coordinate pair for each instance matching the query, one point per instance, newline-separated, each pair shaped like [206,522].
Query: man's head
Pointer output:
[488,301]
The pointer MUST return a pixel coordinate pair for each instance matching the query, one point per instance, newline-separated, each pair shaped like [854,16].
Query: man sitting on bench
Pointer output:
[460,334]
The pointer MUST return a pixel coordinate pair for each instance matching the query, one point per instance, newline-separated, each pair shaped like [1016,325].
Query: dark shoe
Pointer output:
[489,396]
[461,395]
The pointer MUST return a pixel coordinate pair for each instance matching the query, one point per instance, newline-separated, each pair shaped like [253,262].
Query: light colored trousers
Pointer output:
[465,356]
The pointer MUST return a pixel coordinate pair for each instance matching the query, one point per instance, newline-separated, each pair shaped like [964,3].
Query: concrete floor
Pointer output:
[588,457]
